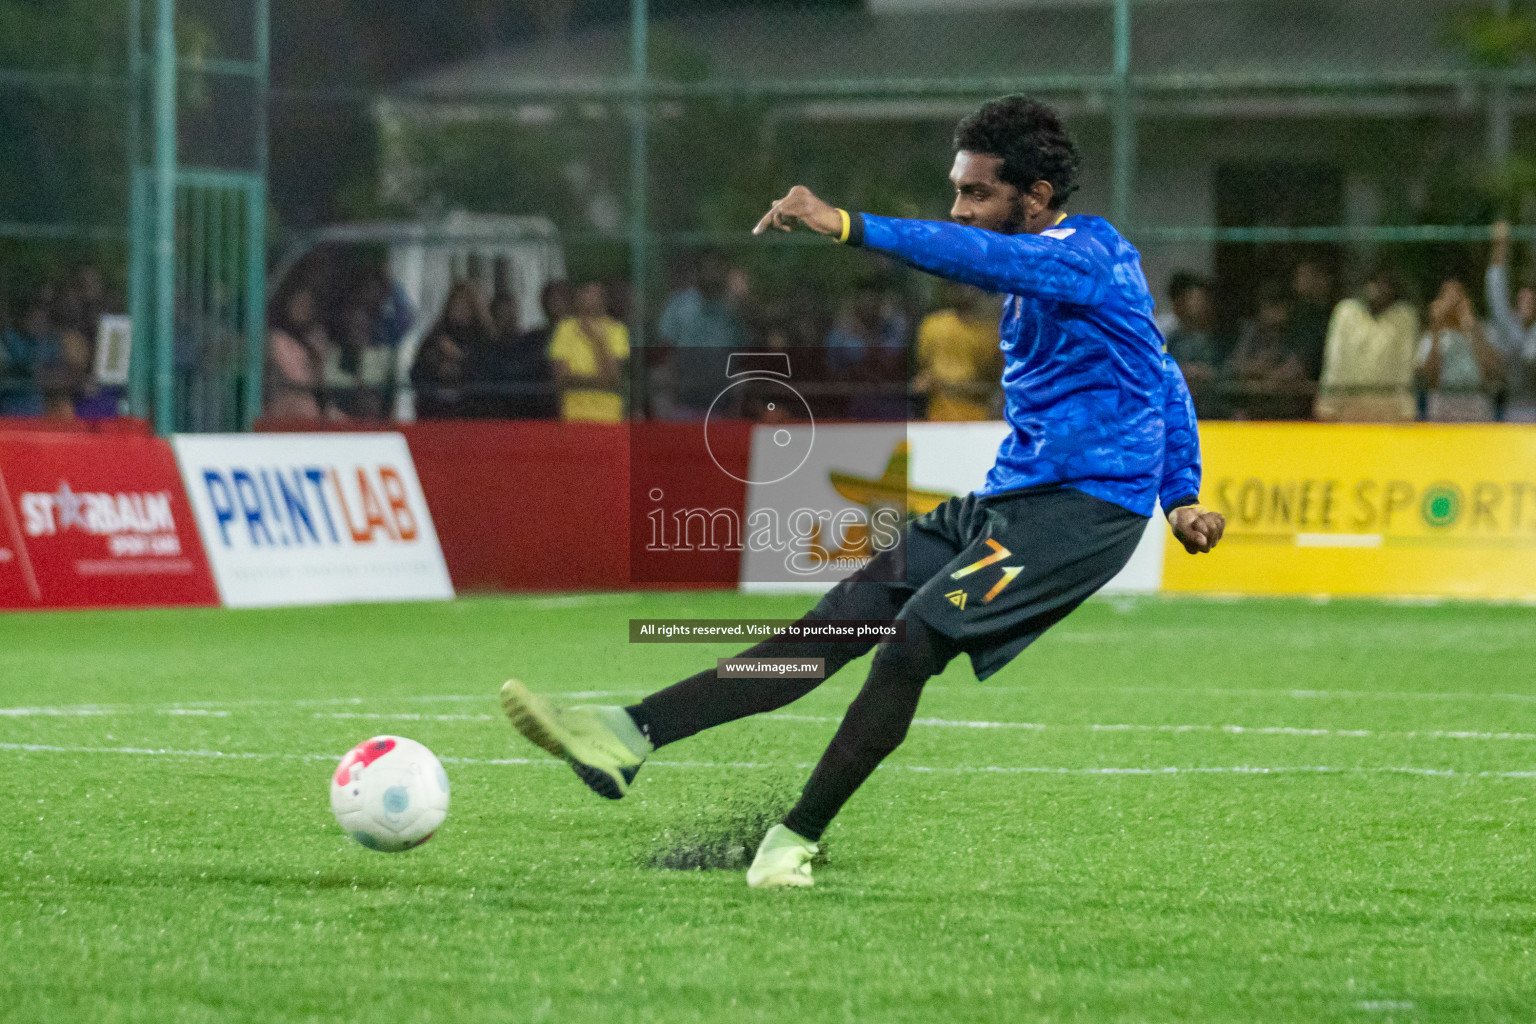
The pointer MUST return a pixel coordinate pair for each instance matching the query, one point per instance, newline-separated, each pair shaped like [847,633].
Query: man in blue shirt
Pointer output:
[1103,431]
[698,328]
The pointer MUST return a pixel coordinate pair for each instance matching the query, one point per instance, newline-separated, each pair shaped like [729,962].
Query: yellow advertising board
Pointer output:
[1365,509]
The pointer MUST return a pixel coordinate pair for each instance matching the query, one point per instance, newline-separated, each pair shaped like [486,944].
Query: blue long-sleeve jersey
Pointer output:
[1093,400]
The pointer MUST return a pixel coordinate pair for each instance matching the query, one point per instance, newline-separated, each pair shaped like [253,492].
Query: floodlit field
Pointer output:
[1167,810]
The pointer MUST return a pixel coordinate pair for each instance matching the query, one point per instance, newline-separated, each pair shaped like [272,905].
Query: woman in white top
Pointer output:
[1368,357]
[1457,367]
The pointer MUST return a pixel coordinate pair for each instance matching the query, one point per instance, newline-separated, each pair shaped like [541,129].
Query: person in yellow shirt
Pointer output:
[958,357]
[588,352]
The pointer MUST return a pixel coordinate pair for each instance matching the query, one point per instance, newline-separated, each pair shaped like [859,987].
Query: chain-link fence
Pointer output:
[133,143]
[63,183]
[1237,142]
[1253,147]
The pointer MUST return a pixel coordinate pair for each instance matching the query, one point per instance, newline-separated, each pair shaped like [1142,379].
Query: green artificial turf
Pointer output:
[1362,850]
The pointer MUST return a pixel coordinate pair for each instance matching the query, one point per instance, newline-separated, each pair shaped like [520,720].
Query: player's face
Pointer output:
[982,200]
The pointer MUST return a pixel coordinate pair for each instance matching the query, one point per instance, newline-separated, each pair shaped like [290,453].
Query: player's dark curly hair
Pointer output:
[1030,139]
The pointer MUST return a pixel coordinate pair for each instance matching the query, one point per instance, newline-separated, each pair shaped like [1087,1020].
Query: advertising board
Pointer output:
[807,529]
[1410,509]
[94,520]
[295,519]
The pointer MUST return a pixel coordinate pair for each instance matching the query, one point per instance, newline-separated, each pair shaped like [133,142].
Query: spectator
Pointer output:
[1266,377]
[24,347]
[1458,368]
[391,314]
[587,353]
[1311,305]
[799,325]
[351,382]
[15,368]
[958,357]
[1514,333]
[1368,358]
[77,315]
[541,400]
[65,377]
[439,371]
[762,397]
[866,351]
[1189,334]
[381,308]
[296,345]
[699,327]
[557,301]
[60,358]
[619,300]
[509,378]
[805,323]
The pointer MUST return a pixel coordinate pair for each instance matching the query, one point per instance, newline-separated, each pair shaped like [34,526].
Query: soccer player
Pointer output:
[1103,429]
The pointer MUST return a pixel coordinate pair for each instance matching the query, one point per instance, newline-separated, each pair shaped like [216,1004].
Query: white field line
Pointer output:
[986,689]
[975,689]
[405,716]
[221,708]
[943,723]
[1232,730]
[578,601]
[44,748]
[79,711]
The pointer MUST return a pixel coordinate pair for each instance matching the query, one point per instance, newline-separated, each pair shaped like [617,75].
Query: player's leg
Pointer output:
[705,700]
[879,591]
[875,725]
[1032,557]
[607,745]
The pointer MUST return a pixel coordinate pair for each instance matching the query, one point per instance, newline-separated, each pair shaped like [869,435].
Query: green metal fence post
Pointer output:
[1123,117]
[138,227]
[255,301]
[1499,117]
[256,228]
[165,215]
[637,213]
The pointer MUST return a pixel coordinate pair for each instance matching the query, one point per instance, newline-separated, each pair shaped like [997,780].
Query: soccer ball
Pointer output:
[389,793]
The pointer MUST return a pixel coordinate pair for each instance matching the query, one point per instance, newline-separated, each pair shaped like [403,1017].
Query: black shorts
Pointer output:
[993,573]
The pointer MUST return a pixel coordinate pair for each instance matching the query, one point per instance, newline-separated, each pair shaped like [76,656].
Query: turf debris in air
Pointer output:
[725,835]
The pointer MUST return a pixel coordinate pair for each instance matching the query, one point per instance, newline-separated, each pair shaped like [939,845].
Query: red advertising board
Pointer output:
[528,505]
[92,520]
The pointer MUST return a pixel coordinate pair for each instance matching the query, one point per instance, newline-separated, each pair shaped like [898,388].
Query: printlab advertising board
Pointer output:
[296,519]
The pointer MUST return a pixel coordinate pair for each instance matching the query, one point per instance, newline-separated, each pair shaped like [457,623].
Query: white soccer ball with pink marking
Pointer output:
[389,793]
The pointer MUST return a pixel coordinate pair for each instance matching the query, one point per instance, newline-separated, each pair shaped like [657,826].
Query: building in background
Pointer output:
[1307,113]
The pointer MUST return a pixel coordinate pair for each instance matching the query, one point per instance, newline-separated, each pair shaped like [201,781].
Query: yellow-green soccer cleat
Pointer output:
[784,859]
[602,744]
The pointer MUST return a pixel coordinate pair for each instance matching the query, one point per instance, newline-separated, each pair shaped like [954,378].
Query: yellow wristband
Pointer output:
[847,225]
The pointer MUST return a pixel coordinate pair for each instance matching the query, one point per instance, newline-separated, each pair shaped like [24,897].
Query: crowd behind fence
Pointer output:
[1392,114]
[49,336]
[890,346]
[1306,346]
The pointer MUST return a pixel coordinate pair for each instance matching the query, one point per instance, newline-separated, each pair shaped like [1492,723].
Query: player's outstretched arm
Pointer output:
[1072,268]
[1069,269]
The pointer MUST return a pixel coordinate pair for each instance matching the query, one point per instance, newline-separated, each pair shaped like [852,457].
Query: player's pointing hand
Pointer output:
[1197,527]
[800,206]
